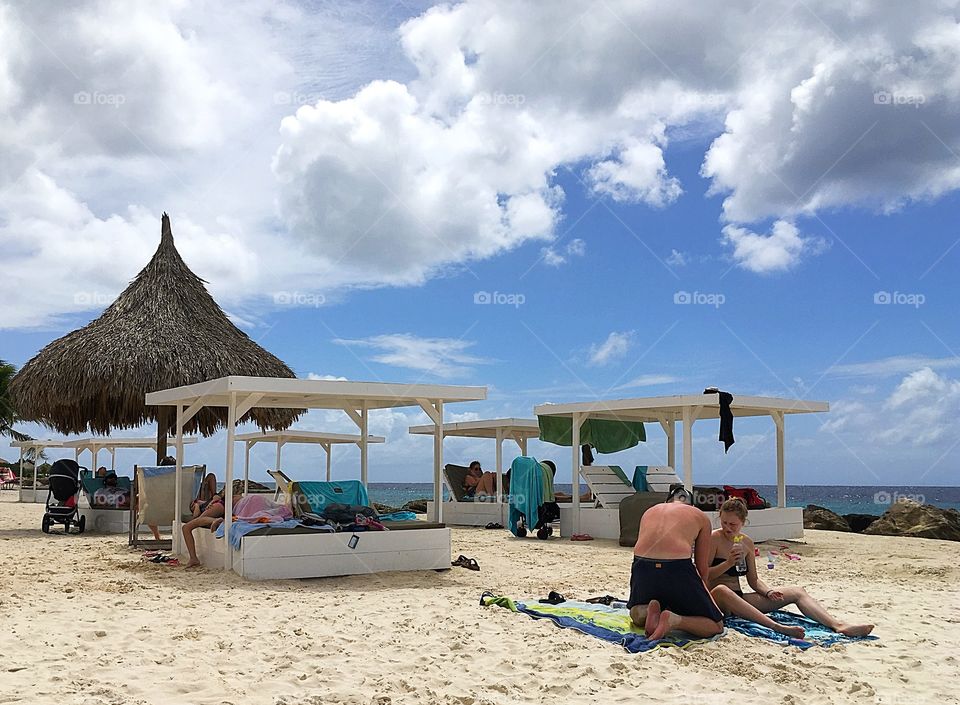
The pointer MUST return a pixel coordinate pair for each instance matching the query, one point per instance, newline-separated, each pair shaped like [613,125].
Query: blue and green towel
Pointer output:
[612,623]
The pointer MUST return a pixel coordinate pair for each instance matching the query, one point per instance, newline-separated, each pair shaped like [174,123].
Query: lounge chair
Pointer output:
[455,476]
[608,484]
[153,498]
[100,496]
[660,478]
[284,485]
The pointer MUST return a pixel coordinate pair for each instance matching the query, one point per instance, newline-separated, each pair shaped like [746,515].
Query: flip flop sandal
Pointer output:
[493,525]
[484,595]
[581,537]
[464,562]
[554,598]
[605,600]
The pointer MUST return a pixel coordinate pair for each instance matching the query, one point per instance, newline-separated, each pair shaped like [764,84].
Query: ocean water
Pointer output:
[840,499]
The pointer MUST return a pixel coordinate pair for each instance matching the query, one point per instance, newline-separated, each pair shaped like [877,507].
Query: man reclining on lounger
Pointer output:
[667,591]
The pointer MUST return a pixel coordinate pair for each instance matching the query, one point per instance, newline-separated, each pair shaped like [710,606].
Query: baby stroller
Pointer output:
[62,495]
[531,498]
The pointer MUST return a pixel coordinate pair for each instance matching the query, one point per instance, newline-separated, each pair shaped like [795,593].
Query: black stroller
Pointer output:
[62,496]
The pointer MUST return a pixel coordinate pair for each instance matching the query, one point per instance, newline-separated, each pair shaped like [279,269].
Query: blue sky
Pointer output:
[350,224]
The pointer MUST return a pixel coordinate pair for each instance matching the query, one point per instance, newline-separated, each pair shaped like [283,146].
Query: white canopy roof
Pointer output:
[108,443]
[39,443]
[280,393]
[509,428]
[292,435]
[670,408]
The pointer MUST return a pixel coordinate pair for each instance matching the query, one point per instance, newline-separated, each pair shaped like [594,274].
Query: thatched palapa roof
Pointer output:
[164,330]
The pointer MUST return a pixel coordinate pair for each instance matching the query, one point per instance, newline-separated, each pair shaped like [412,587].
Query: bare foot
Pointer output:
[793,632]
[668,621]
[215,524]
[192,563]
[854,629]
[653,617]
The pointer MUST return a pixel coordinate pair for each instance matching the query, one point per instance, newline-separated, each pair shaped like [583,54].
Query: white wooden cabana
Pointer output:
[30,494]
[111,521]
[775,523]
[95,444]
[281,438]
[313,554]
[482,513]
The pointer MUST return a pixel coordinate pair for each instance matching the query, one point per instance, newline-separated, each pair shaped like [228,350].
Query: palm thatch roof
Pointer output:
[164,330]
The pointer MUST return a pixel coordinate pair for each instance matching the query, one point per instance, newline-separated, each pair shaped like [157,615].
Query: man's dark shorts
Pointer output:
[675,584]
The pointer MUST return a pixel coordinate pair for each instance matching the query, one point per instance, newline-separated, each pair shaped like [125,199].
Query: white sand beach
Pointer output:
[85,621]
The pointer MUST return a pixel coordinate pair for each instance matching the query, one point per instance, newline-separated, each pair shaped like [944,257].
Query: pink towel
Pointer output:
[258,507]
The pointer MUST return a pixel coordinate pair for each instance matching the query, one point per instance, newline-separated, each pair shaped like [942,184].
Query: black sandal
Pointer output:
[493,525]
[605,600]
[554,598]
[464,562]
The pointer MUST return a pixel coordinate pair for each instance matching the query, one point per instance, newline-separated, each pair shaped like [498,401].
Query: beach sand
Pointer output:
[85,621]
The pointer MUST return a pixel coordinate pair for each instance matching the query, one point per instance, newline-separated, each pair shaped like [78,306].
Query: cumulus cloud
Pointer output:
[614,348]
[555,256]
[443,357]
[923,409]
[764,254]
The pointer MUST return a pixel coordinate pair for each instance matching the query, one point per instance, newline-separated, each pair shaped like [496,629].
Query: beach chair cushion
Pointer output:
[631,510]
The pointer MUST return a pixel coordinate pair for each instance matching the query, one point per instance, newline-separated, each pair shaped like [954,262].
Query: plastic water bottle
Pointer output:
[741,567]
[769,561]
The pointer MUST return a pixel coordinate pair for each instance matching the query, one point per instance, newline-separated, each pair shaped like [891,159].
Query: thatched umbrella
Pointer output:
[164,330]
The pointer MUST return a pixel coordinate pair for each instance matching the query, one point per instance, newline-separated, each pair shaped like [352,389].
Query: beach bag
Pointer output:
[748,495]
[347,513]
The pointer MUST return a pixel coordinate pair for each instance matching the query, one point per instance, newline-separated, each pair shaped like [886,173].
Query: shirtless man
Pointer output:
[667,591]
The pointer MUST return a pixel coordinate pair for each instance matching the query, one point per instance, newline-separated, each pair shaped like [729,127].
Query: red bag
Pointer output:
[748,495]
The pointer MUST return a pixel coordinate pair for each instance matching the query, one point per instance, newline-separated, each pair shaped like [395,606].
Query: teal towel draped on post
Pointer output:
[640,479]
[526,491]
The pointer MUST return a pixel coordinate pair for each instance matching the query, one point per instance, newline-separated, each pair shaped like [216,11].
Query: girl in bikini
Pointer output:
[724,581]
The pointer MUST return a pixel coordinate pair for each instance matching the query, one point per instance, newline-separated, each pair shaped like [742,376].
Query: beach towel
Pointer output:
[526,491]
[640,479]
[398,516]
[610,623]
[258,508]
[816,634]
[239,529]
[547,477]
[605,435]
[320,494]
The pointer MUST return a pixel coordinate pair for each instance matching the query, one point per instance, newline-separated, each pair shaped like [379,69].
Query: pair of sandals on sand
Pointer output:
[160,558]
[555,598]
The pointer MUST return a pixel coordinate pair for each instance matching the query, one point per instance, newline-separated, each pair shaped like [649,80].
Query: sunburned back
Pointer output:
[668,531]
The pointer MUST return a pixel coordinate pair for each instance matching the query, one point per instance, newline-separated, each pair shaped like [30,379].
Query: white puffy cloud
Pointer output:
[614,348]
[554,256]
[779,251]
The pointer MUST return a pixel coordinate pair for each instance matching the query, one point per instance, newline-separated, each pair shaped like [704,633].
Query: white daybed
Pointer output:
[314,554]
[780,522]
[483,513]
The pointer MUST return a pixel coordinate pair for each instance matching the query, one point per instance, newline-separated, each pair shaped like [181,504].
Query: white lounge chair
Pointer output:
[608,486]
[660,477]
[153,498]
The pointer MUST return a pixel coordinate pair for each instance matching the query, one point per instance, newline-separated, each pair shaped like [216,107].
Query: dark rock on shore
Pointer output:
[816,517]
[859,522]
[418,506]
[909,518]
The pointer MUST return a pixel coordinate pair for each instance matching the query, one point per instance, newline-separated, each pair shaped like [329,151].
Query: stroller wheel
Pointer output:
[521,531]
[45,526]
[543,533]
[82,525]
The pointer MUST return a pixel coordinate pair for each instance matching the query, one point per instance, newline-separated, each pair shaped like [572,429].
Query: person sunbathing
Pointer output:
[210,517]
[667,590]
[724,581]
[478,483]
